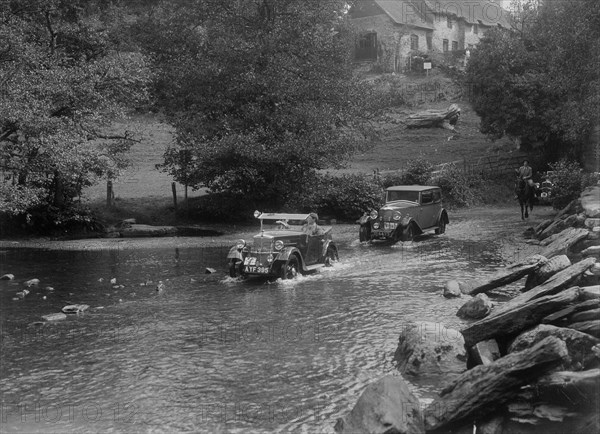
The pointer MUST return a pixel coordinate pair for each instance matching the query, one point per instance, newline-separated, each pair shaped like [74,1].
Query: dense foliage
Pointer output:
[569,181]
[540,82]
[63,78]
[261,92]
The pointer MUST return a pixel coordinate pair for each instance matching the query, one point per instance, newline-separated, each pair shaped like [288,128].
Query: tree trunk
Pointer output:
[507,275]
[561,280]
[561,244]
[482,389]
[518,318]
[434,118]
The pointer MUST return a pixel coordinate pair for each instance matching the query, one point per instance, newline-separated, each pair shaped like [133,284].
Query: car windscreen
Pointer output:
[412,196]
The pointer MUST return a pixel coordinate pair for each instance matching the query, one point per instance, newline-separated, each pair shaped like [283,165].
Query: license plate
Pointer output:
[389,225]
[256,270]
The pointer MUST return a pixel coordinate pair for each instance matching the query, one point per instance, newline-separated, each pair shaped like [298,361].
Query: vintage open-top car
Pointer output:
[282,249]
[409,210]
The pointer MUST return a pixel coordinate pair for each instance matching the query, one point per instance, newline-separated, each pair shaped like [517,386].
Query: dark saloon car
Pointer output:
[409,210]
[282,249]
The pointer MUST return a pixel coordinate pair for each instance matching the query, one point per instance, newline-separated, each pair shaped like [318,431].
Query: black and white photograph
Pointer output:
[300,216]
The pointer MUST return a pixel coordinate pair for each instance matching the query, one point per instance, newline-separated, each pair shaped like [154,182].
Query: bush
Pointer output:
[417,171]
[458,189]
[344,197]
[569,181]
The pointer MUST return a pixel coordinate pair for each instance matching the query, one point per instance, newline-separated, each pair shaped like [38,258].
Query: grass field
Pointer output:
[145,193]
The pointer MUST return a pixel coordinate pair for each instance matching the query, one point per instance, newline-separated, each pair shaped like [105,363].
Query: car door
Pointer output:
[428,215]
[315,246]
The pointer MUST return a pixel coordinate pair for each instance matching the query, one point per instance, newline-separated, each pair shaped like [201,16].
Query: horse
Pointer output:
[526,196]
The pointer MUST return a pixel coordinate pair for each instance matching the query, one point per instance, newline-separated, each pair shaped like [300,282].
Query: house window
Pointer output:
[414,42]
[366,47]
[475,28]
[454,45]
[449,22]
[445,45]
[429,42]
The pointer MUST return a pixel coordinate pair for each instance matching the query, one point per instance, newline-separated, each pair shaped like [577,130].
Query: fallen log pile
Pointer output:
[533,362]
[435,118]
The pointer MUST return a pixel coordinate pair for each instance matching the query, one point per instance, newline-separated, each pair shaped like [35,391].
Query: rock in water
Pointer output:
[452,289]
[160,287]
[386,406]
[428,349]
[32,282]
[7,277]
[476,308]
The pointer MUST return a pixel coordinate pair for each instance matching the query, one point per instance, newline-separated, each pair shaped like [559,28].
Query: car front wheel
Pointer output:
[290,269]
[409,233]
[441,227]
[233,268]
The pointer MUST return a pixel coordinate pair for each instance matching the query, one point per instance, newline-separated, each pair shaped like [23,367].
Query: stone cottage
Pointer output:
[389,32]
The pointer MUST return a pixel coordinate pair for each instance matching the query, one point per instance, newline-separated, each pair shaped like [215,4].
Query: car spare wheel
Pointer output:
[289,270]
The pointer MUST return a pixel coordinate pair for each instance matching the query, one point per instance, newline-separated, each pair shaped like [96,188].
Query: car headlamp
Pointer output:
[373,214]
[396,215]
[278,245]
[240,244]
[375,225]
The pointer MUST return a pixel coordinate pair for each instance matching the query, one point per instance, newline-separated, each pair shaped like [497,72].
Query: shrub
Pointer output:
[417,171]
[346,197]
[457,188]
[569,182]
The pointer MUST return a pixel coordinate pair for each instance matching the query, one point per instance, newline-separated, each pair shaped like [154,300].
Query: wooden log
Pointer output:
[484,352]
[562,244]
[586,315]
[590,292]
[543,273]
[434,118]
[575,388]
[563,314]
[562,279]
[482,389]
[507,275]
[589,327]
[517,319]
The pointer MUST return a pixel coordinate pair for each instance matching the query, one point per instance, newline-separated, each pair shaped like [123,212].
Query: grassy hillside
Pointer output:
[145,193]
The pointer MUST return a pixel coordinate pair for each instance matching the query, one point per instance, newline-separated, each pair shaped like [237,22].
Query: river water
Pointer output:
[213,354]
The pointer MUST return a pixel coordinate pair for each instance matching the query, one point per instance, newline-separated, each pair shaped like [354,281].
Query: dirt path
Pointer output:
[498,224]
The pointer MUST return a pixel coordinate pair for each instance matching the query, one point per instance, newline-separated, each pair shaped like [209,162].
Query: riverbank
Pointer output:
[529,365]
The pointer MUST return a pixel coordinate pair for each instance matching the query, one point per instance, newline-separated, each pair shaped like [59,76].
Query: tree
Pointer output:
[63,79]
[541,81]
[261,92]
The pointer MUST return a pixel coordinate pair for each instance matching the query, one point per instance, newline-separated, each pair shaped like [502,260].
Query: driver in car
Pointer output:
[310,227]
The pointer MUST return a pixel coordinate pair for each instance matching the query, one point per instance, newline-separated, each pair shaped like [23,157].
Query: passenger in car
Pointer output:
[310,227]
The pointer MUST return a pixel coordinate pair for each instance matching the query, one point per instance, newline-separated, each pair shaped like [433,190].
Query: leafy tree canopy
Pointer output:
[63,78]
[541,80]
[261,92]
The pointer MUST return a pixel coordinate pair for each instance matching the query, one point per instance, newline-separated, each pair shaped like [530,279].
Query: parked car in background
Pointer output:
[281,249]
[409,210]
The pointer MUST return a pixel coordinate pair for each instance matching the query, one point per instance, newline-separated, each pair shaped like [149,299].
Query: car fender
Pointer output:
[286,252]
[406,221]
[235,253]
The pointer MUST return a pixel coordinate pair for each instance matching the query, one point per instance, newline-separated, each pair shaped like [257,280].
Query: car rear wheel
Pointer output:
[409,233]
[290,269]
[363,234]
[441,227]
[331,256]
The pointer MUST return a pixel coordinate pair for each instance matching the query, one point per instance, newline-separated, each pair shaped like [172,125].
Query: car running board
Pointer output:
[313,267]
